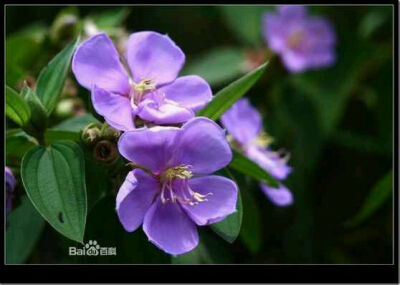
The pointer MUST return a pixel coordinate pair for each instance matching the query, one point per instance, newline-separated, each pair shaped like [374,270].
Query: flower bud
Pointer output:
[109,133]
[105,151]
[91,134]
[64,28]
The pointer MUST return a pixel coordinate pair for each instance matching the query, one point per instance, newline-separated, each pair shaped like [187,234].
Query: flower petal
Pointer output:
[96,61]
[279,196]
[153,56]
[221,203]
[150,147]
[242,121]
[169,228]
[134,198]
[164,113]
[292,12]
[191,91]
[116,109]
[201,143]
[270,161]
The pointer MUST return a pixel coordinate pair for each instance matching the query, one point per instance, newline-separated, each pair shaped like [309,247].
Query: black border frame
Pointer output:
[313,273]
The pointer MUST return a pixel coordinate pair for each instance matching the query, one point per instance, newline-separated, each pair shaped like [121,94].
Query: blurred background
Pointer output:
[335,122]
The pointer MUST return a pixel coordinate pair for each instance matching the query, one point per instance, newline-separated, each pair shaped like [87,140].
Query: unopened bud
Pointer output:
[91,134]
[109,133]
[105,151]
[64,28]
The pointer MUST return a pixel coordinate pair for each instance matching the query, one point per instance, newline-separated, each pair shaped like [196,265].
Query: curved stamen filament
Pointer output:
[181,191]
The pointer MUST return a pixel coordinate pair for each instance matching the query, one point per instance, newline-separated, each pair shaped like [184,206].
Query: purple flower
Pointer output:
[244,124]
[303,41]
[11,182]
[173,190]
[150,89]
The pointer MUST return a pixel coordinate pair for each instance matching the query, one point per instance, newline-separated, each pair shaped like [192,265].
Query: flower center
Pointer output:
[175,187]
[139,89]
[263,140]
[295,39]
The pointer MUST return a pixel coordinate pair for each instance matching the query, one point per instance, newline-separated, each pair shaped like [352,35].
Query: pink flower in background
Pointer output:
[244,123]
[303,41]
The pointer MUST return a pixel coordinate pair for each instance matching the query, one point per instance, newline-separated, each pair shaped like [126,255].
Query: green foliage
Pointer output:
[17,144]
[22,50]
[229,228]
[51,79]
[218,65]
[246,22]
[76,124]
[38,120]
[54,179]
[246,166]
[375,199]
[225,98]
[16,107]
[25,227]
[111,18]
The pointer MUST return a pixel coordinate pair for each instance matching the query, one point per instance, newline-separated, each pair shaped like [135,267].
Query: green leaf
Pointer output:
[225,98]
[51,79]
[97,179]
[218,65]
[375,199]
[54,179]
[22,51]
[16,107]
[111,18]
[38,120]
[246,166]
[17,144]
[229,228]
[77,123]
[24,228]
[52,136]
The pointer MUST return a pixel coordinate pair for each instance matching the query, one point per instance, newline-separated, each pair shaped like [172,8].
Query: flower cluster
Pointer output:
[244,124]
[304,42]
[171,189]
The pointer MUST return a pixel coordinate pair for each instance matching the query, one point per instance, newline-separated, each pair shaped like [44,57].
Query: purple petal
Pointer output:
[116,109]
[295,62]
[153,56]
[220,204]
[242,121]
[11,182]
[279,196]
[294,12]
[169,228]
[191,91]
[134,198]
[270,161]
[273,32]
[96,62]
[150,147]
[201,143]
[163,113]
